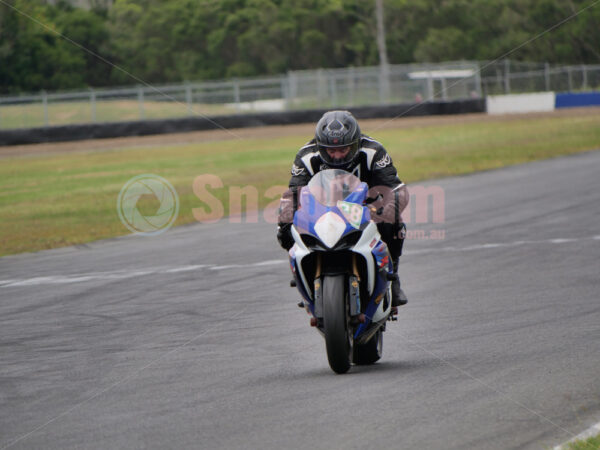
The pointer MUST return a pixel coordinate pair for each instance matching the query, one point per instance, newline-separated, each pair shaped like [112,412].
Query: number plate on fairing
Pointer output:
[353,213]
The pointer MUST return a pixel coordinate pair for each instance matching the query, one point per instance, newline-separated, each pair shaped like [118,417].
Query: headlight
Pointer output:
[312,242]
[329,228]
[348,241]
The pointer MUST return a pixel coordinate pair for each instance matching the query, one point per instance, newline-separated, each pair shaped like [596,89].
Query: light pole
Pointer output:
[384,68]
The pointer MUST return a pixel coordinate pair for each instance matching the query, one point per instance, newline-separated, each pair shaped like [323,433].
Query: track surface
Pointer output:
[125,344]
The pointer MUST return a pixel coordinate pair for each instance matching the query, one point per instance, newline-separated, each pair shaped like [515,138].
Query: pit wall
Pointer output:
[539,102]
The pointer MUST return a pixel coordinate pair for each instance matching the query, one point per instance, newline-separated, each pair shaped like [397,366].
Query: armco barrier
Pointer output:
[520,103]
[571,100]
[148,127]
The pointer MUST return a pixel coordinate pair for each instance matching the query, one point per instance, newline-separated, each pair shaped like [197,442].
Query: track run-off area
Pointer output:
[192,339]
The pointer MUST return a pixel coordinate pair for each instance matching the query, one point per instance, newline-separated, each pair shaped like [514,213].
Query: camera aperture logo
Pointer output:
[148,205]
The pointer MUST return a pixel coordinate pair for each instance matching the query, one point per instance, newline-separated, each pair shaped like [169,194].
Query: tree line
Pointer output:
[159,41]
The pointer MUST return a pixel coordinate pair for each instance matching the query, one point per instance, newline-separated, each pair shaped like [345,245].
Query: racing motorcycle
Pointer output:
[342,268]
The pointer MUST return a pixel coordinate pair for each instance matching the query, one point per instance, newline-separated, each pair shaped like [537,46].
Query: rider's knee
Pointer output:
[393,235]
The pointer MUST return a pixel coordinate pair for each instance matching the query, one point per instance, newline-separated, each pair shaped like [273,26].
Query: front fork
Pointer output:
[353,292]
[354,289]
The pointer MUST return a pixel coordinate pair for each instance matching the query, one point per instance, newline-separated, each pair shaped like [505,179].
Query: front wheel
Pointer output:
[335,325]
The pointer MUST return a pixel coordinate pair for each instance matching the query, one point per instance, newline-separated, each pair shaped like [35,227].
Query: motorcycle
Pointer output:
[342,268]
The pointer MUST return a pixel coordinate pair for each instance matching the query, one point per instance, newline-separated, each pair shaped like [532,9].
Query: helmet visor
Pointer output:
[337,156]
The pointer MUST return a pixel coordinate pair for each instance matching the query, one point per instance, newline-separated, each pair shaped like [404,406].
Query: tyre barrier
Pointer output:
[150,127]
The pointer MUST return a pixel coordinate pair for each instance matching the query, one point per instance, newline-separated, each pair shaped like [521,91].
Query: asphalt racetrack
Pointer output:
[192,339]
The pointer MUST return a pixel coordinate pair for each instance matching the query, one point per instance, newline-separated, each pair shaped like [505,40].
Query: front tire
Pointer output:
[335,326]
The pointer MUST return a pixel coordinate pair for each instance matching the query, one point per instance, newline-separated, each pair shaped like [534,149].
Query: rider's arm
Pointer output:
[289,201]
[302,170]
[383,172]
[385,181]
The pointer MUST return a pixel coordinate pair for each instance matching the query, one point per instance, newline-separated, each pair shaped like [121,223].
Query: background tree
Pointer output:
[171,41]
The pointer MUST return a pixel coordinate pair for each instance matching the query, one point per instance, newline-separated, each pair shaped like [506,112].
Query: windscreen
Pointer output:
[330,186]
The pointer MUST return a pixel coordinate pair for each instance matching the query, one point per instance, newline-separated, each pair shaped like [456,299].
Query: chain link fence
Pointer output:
[512,77]
[323,88]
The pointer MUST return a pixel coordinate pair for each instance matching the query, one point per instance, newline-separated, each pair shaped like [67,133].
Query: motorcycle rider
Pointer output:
[339,144]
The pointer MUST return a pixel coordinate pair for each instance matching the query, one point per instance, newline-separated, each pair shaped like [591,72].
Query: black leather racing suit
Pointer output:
[372,165]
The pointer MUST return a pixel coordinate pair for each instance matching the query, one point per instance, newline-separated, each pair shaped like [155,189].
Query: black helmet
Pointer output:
[337,129]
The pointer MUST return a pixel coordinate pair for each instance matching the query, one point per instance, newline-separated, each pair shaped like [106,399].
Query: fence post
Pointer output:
[444,90]
[547,75]
[93,104]
[570,78]
[384,83]
[292,87]
[320,87]
[584,74]
[140,95]
[430,93]
[507,76]
[285,92]
[351,87]
[188,98]
[478,87]
[45,105]
[236,94]
[332,89]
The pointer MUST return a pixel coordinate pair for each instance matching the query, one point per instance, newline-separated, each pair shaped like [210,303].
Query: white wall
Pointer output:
[520,103]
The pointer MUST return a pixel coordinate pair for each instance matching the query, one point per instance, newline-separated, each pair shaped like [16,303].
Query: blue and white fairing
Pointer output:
[330,212]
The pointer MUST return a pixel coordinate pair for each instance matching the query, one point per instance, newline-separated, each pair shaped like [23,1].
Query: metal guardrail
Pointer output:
[323,88]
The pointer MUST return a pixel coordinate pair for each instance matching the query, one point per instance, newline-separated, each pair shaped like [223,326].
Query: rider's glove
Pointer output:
[284,235]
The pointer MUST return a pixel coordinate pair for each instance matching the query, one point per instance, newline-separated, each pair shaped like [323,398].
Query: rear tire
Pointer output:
[335,327]
[370,352]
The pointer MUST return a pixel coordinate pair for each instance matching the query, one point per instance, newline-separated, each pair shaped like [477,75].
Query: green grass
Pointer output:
[64,113]
[592,443]
[57,200]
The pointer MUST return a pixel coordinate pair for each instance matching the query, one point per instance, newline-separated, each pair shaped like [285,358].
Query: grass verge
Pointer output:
[65,199]
[67,113]
[592,443]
